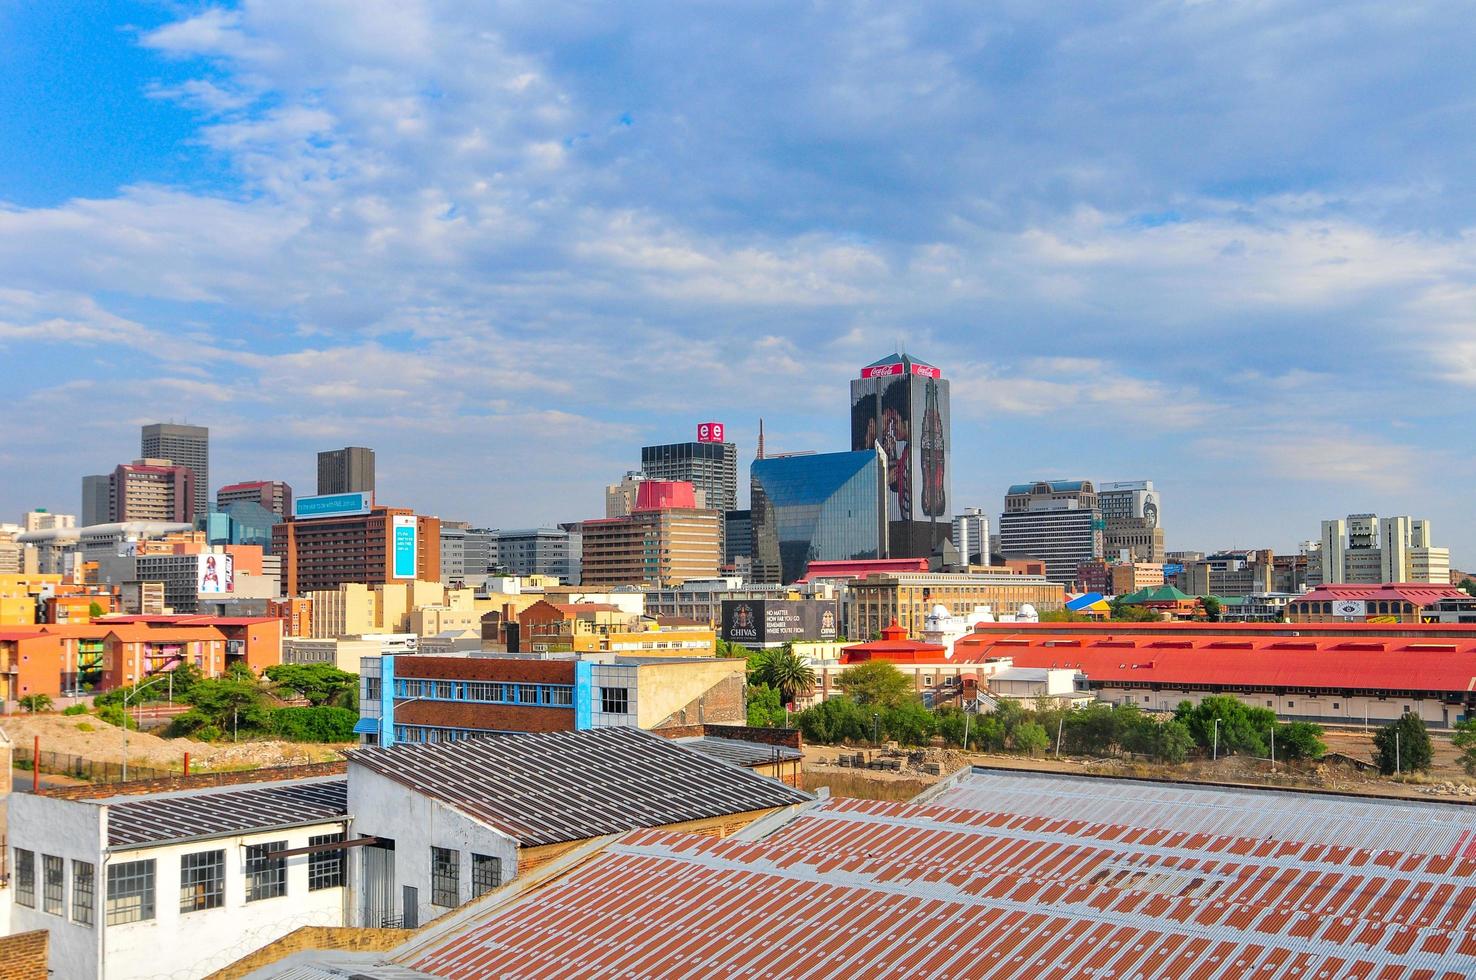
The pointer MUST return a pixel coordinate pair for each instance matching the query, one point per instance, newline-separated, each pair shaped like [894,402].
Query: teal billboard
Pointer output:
[332,505]
[403,530]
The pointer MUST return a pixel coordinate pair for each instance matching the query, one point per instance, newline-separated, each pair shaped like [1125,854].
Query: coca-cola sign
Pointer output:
[926,372]
[881,371]
[710,432]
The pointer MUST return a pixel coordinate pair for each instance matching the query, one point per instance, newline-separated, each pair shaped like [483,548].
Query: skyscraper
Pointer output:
[346,470]
[1131,510]
[95,496]
[710,464]
[182,445]
[825,507]
[900,404]
[1054,521]
[152,490]
[272,495]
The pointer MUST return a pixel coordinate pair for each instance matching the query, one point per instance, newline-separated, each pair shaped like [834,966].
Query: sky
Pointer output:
[1225,246]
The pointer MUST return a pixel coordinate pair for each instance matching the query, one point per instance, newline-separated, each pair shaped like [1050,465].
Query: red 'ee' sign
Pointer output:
[710,432]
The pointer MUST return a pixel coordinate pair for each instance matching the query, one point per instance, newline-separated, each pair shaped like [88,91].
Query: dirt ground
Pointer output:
[65,734]
[1446,779]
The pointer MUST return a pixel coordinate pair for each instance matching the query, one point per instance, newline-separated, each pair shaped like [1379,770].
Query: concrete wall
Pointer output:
[667,688]
[416,823]
[70,831]
[1330,709]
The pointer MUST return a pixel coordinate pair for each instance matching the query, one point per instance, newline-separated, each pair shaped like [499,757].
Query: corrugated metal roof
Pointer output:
[186,815]
[550,787]
[739,752]
[1016,875]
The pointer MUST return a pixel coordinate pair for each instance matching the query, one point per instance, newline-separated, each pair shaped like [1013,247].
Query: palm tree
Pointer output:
[788,673]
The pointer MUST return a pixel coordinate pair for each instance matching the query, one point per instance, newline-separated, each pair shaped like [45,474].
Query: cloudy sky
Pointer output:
[1226,246]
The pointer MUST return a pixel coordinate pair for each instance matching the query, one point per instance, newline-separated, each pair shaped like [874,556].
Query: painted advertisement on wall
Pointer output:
[403,544]
[907,415]
[215,574]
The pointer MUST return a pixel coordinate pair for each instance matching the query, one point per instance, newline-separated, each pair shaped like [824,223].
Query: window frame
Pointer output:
[25,878]
[614,695]
[266,876]
[327,869]
[117,913]
[84,893]
[445,877]
[196,880]
[481,881]
[53,885]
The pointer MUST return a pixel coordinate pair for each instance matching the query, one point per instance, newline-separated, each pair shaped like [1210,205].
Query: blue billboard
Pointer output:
[403,529]
[332,505]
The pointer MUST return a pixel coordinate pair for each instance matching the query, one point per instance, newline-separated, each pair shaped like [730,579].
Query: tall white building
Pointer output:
[1364,548]
[971,536]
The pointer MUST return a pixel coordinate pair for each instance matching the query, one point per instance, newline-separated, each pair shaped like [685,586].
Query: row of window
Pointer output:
[486,874]
[131,886]
[487,692]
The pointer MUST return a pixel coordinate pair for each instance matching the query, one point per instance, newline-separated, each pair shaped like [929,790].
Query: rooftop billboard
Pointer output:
[332,505]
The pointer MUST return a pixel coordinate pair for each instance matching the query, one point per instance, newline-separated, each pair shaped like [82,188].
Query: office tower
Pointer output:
[1364,549]
[182,445]
[41,519]
[96,508]
[152,490]
[272,495]
[384,544]
[620,497]
[820,507]
[1054,521]
[900,405]
[710,464]
[347,470]
[737,537]
[666,540]
[553,551]
[1133,514]
[971,536]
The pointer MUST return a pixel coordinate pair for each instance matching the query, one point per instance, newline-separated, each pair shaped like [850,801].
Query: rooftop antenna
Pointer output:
[761,440]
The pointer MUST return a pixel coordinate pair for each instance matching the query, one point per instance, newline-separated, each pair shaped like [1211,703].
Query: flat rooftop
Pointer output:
[1010,874]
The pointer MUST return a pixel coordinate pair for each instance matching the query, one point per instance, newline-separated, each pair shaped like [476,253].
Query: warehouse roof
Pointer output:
[189,814]
[550,787]
[1007,873]
[739,752]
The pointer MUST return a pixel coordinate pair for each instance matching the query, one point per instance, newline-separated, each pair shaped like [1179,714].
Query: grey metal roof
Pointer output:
[188,815]
[559,786]
[739,752]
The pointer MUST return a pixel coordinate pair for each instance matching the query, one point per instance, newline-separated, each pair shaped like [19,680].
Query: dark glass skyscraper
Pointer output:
[825,507]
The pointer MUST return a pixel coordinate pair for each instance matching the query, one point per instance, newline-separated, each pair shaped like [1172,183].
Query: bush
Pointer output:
[764,709]
[876,682]
[209,733]
[1410,752]
[1029,737]
[82,726]
[909,724]
[114,715]
[321,724]
[1299,740]
[75,709]
[837,719]
[35,702]
[1242,728]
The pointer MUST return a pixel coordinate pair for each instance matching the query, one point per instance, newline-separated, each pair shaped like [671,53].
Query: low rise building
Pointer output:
[908,598]
[1398,602]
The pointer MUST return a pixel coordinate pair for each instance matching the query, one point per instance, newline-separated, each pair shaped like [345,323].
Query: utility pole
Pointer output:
[1216,757]
[1059,723]
[1273,749]
[1397,767]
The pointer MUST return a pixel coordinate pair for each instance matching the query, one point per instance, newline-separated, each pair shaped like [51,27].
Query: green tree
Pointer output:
[1242,728]
[1213,608]
[1172,741]
[1030,738]
[1465,737]
[228,704]
[1403,746]
[765,710]
[240,671]
[35,702]
[733,650]
[94,610]
[876,682]
[1299,740]
[317,724]
[1467,586]
[1134,613]
[837,719]
[952,723]
[909,723]
[786,672]
[987,734]
[319,684]
[1064,616]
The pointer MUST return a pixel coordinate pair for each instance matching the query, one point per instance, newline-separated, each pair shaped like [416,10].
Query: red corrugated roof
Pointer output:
[1420,593]
[862,568]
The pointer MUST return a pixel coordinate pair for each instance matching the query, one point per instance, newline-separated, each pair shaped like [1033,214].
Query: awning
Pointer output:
[366,726]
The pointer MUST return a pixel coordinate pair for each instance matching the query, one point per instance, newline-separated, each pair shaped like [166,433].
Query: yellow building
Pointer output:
[18,594]
[906,598]
[656,641]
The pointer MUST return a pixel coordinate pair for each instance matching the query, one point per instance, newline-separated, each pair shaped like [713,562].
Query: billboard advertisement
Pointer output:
[403,543]
[1352,608]
[215,574]
[772,622]
[710,432]
[332,505]
[907,415]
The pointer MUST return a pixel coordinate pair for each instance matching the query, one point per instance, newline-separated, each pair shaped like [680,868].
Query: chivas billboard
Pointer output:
[772,622]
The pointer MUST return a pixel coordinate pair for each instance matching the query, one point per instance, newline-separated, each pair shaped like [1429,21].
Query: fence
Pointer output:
[80,767]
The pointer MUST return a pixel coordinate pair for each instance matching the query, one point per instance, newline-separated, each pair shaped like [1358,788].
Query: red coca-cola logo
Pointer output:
[926,372]
[885,370]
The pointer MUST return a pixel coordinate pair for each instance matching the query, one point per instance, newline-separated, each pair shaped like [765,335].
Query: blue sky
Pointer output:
[1224,246]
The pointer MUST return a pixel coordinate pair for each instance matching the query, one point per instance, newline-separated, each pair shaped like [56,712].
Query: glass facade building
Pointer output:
[824,507]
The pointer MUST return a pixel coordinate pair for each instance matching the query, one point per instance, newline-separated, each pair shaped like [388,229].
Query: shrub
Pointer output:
[209,733]
[1030,737]
[75,709]
[909,724]
[83,726]
[321,724]
[35,702]
[1411,751]
[115,715]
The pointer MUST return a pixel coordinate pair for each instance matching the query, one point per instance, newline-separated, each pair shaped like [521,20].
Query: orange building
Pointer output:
[29,665]
[296,614]
[78,608]
[322,553]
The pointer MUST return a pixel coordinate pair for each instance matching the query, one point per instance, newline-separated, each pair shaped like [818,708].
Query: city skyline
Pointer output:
[462,239]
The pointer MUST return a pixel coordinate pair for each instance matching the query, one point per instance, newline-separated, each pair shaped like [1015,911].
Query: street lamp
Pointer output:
[1216,757]
[126,695]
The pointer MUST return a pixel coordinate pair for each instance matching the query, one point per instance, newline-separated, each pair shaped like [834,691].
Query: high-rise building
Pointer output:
[710,464]
[1365,549]
[620,497]
[553,551]
[900,405]
[43,520]
[347,470]
[96,497]
[182,445]
[1055,521]
[817,507]
[971,536]
[1132,510]
[737,537]
[152,490]
[324,547]
[272,495]
[665,541]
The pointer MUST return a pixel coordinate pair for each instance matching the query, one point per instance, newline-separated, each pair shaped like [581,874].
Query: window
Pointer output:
[83,892]
[486,873]
[130,892]
[559,695]
[371,688]
[614,700]
[1335,706]
[53,871]
[25,878]
[266,874]
[444,874]
[202,881]
[326,868]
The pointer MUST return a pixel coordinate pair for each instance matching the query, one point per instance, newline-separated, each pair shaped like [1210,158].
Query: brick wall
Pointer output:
[202,780]
[723,702]
[308,937]
[764,736]
[491,717]
[485,669]
[23,956]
